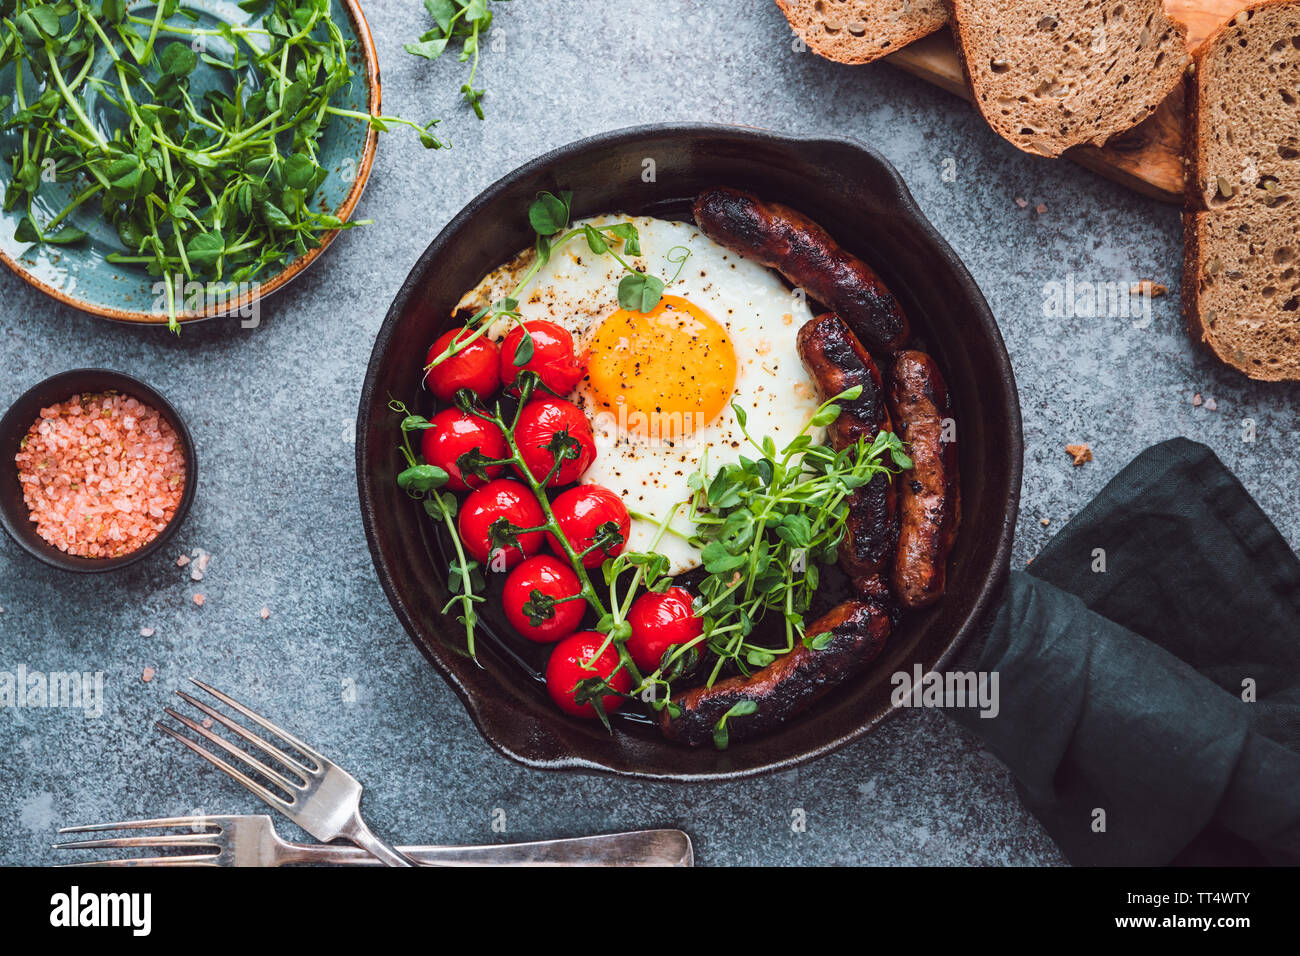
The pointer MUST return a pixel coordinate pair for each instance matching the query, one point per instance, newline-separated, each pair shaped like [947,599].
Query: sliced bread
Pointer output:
[1241,269]
[1051,75]
[859,31]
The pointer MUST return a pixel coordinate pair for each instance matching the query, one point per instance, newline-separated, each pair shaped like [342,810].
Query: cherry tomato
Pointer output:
[477,367]
[453,434]
[554,579]
[553,359]
[503,498]
[580,512]
[564,670]
[660,621]
[539,422]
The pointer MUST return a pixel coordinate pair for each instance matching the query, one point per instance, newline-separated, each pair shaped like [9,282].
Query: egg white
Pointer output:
[578,290]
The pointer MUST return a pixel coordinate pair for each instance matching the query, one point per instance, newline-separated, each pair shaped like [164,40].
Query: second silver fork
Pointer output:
[324,799]
[252,841]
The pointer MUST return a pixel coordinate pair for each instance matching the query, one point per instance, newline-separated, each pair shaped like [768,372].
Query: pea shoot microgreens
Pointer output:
[549,217]
[464,20]
[217,187]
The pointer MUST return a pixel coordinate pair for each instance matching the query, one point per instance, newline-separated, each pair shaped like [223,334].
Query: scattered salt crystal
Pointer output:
[147,676]
[199,599]
[146,632]
[207,723]
[196,575]
[1211,405]
[264,613]
[183,560]
[1022,202]
[1196,399]
[1041,208]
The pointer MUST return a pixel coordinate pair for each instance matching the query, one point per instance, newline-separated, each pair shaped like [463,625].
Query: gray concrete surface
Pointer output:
[272,410]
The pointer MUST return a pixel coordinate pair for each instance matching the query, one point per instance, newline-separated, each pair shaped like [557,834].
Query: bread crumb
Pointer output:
[264,613]
[1196,400]
[1081,452]
[146,632]
[1044,521]
[1149,287]
[1022,202]
[199,599]
[183,560]
[147,676]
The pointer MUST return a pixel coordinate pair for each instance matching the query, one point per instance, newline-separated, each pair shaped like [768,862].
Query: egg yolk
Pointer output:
[665,372]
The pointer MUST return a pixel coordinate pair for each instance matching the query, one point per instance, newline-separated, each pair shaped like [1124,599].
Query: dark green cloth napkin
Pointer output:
[1122,690]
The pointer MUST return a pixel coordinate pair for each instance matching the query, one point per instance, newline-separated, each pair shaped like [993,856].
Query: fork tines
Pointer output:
[204,832]
[289,787]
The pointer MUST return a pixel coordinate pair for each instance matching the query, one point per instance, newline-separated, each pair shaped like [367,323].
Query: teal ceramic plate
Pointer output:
[81,276]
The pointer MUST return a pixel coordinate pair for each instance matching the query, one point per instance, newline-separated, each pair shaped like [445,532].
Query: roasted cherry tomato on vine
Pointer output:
[564,671]
[552,580]
[660,621]
[455,433]
[501,499]
[477,366]
[591,514]
[541,424]
[553,359]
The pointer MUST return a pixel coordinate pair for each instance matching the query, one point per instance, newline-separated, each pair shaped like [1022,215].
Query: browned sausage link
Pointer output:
[930,496]
[786,240]
[786,686]
[837,361]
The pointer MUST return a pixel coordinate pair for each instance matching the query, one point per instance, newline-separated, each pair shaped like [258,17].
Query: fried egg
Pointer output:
[660,385]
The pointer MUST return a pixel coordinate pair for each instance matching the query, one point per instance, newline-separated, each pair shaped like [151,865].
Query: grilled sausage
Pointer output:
[802,251]
[837,361]
[788,685]
[930,495]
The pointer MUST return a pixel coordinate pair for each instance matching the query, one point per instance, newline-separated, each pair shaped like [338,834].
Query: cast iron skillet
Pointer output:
[656,170]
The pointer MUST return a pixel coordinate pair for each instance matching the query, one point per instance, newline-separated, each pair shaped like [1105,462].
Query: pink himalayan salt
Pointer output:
[147,676]
[102,474]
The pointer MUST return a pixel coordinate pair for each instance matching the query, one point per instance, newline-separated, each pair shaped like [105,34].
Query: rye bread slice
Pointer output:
[1051,75]
[859,31]
[1244,110]
[1241,267]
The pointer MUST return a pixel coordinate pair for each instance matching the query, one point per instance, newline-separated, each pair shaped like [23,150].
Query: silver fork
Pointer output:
[252,841]
[325,800]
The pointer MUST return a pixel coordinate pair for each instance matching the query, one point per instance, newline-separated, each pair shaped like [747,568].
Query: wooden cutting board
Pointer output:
[1148,157]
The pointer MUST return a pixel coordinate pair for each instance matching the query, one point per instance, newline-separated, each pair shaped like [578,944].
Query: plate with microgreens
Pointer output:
[176,161]
[665,479]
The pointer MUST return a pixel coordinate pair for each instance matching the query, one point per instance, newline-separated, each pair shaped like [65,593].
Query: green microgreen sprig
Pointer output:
[549,215]
[464,20]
